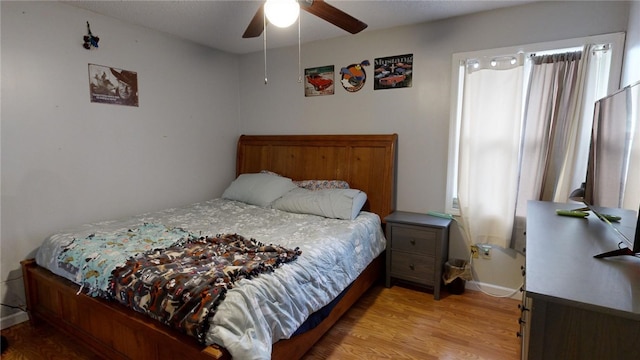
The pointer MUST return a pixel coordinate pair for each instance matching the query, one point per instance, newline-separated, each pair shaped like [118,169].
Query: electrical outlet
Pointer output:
[474,251]
[485,251]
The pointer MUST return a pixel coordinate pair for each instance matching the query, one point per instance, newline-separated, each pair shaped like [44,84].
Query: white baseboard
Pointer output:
[494,290]
[13,319]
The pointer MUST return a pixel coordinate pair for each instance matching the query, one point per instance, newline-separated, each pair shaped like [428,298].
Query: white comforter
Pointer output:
[258,312]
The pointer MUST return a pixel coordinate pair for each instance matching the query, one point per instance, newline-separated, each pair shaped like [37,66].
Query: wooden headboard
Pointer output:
[366,162]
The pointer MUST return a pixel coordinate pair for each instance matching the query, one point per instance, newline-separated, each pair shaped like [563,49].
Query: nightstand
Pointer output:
[417,248]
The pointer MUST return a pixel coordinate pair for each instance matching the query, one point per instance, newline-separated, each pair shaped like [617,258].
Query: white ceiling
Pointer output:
[220,23]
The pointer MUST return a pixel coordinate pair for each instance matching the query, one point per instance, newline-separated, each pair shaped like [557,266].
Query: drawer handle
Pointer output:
[412,241]
[412,267]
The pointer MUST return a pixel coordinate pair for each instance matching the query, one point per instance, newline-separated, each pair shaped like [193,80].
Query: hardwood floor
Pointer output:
[394,323]
[400,323]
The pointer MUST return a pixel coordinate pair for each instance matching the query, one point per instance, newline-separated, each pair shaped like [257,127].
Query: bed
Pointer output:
[365,162]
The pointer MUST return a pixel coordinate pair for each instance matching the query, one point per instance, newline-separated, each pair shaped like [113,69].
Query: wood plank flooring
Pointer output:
[400,323]
[393,323]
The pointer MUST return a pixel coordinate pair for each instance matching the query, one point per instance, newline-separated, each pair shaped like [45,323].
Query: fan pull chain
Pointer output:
[299,56]
[264,42]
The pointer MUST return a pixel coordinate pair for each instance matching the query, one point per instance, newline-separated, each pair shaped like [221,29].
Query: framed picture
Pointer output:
[319,81]
[108,85]
[393,72]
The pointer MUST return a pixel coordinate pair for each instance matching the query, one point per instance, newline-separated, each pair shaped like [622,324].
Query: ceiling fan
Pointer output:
[318,8]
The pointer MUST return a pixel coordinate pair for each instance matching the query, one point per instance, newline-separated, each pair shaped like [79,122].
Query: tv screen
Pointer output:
[629,244]
[613,174]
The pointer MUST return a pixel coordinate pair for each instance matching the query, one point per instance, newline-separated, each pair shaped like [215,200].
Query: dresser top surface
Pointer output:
[560,265]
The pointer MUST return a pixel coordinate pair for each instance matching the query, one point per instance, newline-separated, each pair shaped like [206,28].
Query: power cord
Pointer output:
[476,282]
[15,307]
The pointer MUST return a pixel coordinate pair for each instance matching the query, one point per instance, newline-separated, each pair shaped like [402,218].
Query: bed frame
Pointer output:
[366,162]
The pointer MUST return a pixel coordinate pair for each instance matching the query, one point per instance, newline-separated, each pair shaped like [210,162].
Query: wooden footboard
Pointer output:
[115,332]
[108,328]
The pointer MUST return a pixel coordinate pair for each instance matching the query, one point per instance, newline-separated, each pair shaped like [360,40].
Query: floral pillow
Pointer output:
[315,184]
[322,184]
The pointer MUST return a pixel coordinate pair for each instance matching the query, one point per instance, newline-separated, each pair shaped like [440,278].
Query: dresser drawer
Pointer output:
[413,240]
[412,267]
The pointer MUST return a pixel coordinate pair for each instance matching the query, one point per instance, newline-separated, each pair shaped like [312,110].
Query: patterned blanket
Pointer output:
[182,285]
[92,259]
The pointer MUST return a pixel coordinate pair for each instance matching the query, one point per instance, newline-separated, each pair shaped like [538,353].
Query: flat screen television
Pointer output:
[628,244]
[613,174]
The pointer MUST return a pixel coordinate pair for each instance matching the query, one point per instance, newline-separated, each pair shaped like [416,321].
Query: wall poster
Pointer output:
[110,85]
[319,81]
[393,72]
[354,76]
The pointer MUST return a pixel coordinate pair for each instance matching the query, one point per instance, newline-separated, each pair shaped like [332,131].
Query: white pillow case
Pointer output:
[258,189]
[331,203]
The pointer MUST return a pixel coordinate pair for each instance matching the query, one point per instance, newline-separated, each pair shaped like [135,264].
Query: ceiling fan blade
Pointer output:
[256,26]
[333,15]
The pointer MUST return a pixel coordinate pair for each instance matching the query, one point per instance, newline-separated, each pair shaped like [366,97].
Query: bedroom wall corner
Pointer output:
[67,161]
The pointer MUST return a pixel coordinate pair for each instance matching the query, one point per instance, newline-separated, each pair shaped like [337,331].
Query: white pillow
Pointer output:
[258,189]
[332,203]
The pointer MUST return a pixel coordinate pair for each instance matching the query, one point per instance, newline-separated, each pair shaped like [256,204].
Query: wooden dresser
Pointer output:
[417,248]
[576,306]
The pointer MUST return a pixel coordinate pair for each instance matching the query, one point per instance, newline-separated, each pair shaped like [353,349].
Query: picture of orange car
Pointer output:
[319,83]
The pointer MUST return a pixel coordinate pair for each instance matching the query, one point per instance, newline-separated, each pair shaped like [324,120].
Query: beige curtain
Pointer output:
[554,146]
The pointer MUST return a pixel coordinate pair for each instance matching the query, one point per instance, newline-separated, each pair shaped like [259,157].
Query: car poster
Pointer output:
[110,85]
[393,72]
[354,76]
[319,81]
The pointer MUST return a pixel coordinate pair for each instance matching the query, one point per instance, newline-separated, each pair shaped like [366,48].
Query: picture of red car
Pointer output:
[392,80]
[319,83]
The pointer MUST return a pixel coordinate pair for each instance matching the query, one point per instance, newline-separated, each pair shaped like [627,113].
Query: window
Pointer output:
[604,66]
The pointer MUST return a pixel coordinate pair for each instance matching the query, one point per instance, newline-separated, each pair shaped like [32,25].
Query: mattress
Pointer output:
[260,311]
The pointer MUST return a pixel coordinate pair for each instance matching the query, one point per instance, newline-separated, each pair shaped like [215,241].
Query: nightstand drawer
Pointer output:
[413,240]
[411,267]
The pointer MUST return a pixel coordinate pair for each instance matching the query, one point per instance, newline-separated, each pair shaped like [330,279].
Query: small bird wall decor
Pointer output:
[89,39]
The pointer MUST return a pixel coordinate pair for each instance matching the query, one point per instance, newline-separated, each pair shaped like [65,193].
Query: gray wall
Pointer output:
[66,161]
[631,68]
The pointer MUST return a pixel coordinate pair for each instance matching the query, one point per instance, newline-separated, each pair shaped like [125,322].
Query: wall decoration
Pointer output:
[354,76]
[109,85]
[319,81]
[393,72]
[89,39]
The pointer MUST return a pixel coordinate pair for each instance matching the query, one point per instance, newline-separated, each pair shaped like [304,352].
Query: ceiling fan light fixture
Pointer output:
[282,13]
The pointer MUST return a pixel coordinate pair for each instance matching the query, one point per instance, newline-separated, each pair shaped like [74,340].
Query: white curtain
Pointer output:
[489,148]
